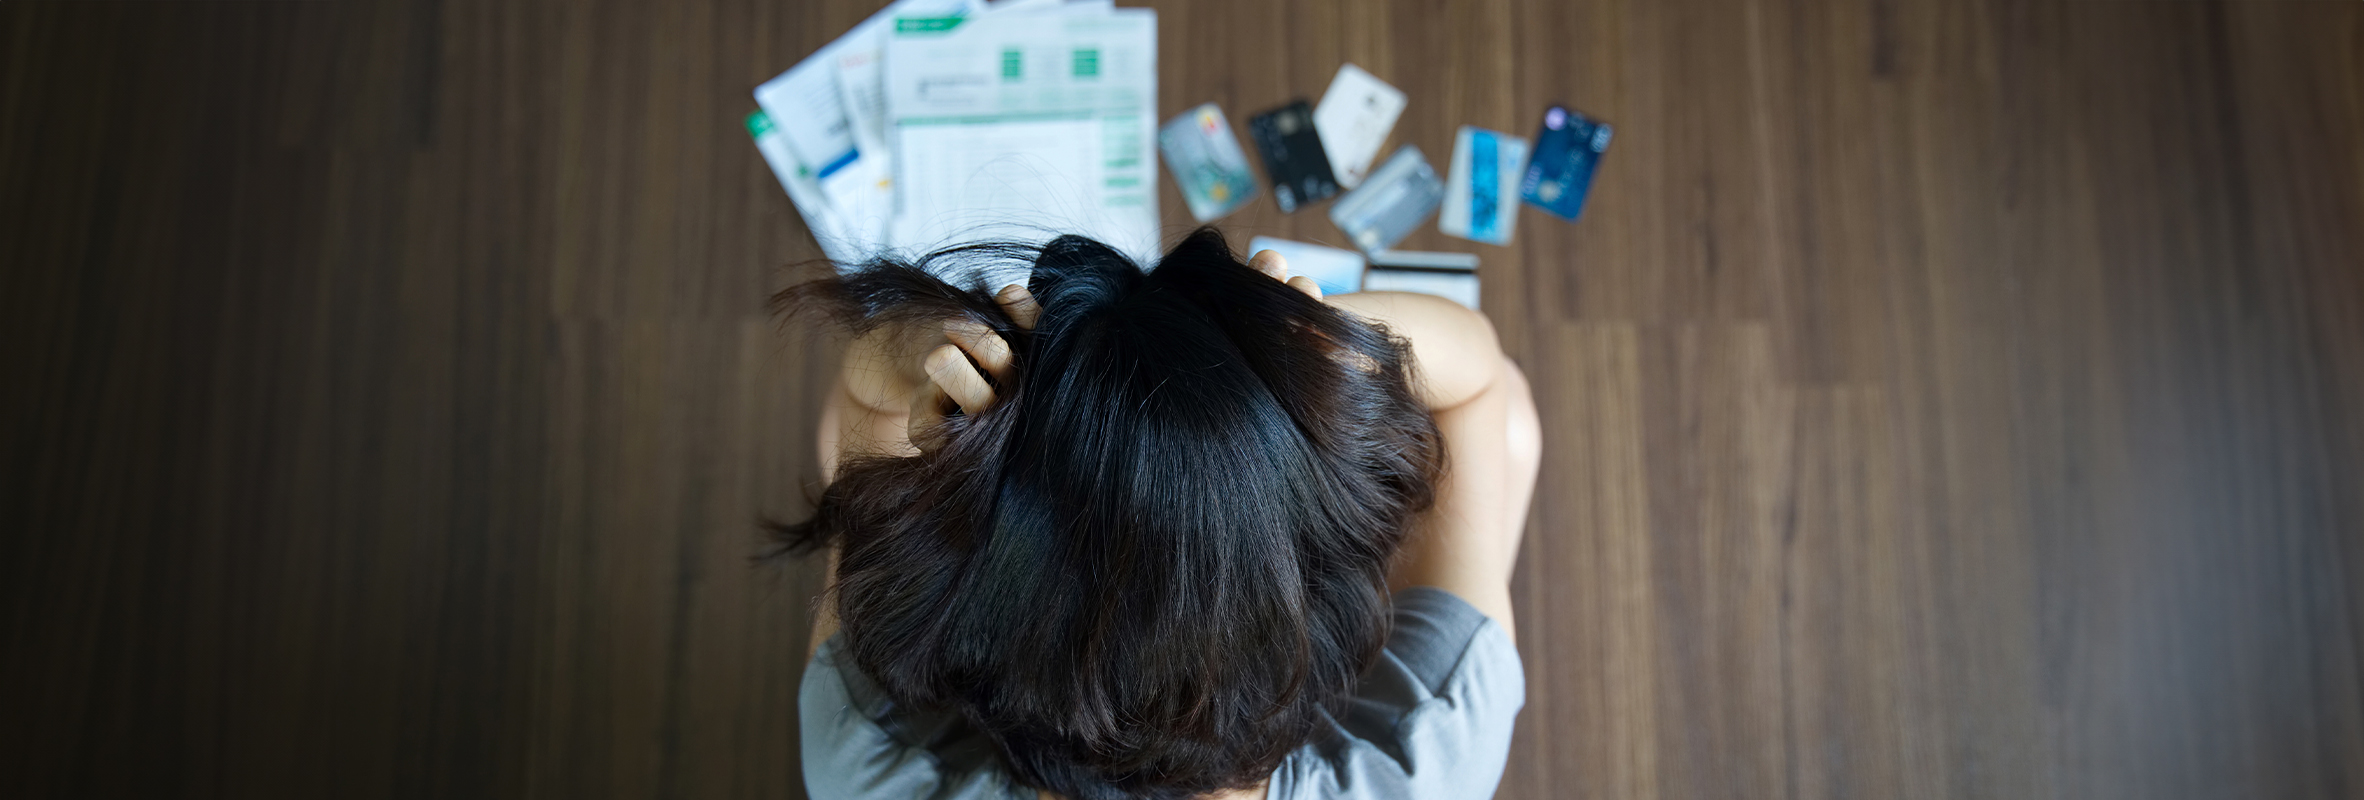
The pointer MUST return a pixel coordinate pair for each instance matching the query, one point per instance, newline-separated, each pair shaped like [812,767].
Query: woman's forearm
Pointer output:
[862,417]
[852,423]
[1466,542]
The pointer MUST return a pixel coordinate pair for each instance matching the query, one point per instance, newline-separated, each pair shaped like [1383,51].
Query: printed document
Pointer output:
[1024,124]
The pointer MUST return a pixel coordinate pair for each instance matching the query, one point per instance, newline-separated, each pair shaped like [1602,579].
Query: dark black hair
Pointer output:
[1156,563]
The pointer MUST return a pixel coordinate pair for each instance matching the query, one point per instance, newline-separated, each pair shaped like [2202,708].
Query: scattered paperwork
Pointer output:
[941,122]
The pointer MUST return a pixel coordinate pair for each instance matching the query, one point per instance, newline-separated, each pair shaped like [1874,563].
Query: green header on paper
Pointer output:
[758,124]
[926,24]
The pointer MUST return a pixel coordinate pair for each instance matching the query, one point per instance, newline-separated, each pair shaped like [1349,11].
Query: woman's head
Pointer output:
[1156,561]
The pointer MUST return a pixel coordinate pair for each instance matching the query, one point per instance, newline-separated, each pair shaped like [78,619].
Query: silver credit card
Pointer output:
[1207,162]
[1394,200]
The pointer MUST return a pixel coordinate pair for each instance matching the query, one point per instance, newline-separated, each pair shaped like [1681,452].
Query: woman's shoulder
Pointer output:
[1453,346]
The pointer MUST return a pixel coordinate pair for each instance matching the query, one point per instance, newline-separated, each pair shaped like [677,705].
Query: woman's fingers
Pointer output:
[923,426]
[949,370]
[953,379]
[982,344]
[1306,285]
[1270,263]
[1019,304]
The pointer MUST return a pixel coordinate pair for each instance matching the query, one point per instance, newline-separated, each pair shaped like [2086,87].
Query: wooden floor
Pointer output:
[1943,399]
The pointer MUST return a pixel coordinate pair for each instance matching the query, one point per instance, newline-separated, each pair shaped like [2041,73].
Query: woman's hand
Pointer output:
[1271,263]
[898,383]
[948,376]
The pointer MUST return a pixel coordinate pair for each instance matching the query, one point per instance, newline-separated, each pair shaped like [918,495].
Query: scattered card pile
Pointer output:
[937,122]
[1489,175]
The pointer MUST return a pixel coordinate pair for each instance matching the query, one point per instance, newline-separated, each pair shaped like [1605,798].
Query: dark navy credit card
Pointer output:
[1293,156]
[1567,150]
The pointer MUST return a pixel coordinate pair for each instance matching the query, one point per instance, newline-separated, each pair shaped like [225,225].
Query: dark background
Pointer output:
[1943,399]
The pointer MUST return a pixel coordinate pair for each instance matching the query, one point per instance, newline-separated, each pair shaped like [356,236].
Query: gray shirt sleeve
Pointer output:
[1432,719]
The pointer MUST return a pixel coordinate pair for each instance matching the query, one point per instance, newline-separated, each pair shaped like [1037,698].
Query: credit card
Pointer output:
[1399,196]
[1459,287]
[1207,162]
[1423,259]
[1482,194]
[1293,156]
[1336,271]
[1567,150]
[1353,119]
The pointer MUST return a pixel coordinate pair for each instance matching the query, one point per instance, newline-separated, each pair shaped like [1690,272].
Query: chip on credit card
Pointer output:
[1207,162]
[1567,151]
[1398,196]
[1293,156]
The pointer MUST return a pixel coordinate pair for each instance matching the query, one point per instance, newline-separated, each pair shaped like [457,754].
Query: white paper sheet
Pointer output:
[804,191]
[808,106]
[860,85]
[1024,125]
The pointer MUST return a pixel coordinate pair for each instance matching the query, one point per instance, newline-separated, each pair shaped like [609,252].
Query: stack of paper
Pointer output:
[941,122]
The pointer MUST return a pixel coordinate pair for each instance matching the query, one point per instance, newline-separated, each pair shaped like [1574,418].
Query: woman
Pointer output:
[1194,532]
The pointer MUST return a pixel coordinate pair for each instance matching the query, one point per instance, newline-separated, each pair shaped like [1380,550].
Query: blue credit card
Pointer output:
[1567,151]
[1485,187]
[1482,196]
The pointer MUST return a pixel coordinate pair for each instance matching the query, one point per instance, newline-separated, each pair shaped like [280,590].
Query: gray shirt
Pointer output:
[1431,719]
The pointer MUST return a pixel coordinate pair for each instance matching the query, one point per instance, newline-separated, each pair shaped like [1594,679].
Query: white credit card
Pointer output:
[1482,187]
[1459,287]
[1353,120]
[1336,271]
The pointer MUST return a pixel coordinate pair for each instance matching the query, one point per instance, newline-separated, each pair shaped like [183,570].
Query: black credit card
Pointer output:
[1293,156]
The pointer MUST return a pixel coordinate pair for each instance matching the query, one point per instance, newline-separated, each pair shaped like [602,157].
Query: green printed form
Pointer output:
[1022,124]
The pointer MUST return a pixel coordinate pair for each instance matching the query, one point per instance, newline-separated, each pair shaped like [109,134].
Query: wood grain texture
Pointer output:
[1942,399]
